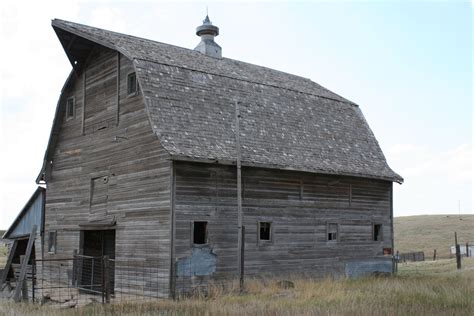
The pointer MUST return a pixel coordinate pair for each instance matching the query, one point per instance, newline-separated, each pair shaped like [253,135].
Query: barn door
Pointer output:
[96,244]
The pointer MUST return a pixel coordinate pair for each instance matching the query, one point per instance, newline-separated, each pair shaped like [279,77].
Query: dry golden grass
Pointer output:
[429,232]
[3,256]
[423,288]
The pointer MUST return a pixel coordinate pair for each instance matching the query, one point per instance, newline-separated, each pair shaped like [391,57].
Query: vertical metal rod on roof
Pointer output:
[239,191]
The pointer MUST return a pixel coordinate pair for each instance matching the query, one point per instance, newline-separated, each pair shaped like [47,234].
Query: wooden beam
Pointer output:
[9,264]
[83,117]
[24,265]
[172,284]
[239,188]
[118,90]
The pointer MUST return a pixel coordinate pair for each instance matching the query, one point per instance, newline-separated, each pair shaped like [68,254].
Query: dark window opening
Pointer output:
[332,232]
[265,231]
[200,233]
[52,242]
[132,85]
[377,232]
[70,107]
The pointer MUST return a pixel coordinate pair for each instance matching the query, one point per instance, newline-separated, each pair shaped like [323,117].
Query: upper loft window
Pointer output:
[70,108]
[132,84]
[377,232]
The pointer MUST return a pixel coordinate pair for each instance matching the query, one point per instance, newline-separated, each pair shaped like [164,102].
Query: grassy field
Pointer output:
[421,288]
[424,288]
[429,232]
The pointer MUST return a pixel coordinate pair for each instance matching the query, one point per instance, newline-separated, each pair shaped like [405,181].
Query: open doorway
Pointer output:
[95,244]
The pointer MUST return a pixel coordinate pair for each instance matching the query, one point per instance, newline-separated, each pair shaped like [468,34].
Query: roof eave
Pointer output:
[395,178]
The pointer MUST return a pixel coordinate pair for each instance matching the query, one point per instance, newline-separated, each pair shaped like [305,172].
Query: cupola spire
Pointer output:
[207,32]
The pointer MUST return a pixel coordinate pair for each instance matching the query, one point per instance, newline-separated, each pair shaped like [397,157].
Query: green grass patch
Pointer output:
[429,232]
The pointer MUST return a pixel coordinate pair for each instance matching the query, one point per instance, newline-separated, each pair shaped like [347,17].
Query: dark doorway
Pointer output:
[95,245]
[20,250]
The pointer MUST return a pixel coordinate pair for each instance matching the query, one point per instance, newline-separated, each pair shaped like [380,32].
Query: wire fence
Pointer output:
[81,280]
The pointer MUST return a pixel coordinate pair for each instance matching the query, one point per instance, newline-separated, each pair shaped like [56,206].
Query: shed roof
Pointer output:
[287,121]
[31,214]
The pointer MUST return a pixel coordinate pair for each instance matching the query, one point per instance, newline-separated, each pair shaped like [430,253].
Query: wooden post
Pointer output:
[83,112]
[105,274]
[23,285]
[9,264]
[33,280]
[458,251]
[239,190]
[467,249]
[24,264]
[117,117]
[242,259]
[434,255]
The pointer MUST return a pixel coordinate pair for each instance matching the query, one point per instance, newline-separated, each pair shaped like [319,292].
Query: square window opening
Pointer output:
[70,108]
[52,242]
[332,232]
[265,231]
[200,233]
[377,232]
[132,85]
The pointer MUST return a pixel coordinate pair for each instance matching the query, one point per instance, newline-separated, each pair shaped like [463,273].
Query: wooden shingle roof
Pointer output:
[287,122]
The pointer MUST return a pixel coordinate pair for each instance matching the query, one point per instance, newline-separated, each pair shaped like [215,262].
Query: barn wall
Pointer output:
[299,205]
[112,173]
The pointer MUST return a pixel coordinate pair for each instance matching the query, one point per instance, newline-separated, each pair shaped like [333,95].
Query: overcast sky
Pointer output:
[407,64]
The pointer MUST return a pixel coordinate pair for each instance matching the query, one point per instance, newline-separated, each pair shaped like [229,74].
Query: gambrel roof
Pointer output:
[287,122]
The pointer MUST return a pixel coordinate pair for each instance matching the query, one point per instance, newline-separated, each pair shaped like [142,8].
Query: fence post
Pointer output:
[106,278]
[242,259]
[434,255]
[458,251]
[467,249]
[74,267]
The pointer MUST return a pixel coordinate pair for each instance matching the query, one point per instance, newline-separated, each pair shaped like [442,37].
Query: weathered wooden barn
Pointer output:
[144,155]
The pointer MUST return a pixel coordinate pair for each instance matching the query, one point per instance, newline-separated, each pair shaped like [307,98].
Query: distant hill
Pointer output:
[428,232]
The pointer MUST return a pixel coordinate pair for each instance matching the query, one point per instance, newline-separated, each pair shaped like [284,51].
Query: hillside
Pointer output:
[428,232]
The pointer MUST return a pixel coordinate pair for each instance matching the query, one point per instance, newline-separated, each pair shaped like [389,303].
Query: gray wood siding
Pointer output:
[136,193]
[299,206]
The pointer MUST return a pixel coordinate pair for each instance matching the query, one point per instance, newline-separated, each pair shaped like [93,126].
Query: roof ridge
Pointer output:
[342,99]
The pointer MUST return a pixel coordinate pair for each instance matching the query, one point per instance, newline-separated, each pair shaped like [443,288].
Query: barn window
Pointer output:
[70,108]
[200,233]
[332,232]
[377,232]
[52,242]
[265,231]
[132,84]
